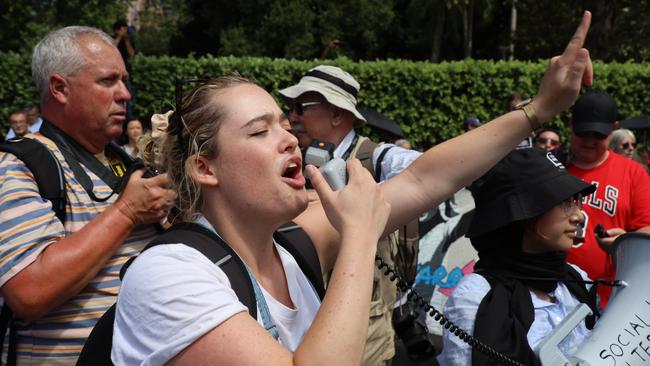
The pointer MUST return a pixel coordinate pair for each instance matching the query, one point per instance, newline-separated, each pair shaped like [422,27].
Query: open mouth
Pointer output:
[291,170]
[292,174]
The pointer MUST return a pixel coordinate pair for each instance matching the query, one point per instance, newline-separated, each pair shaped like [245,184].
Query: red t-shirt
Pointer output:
[622,200]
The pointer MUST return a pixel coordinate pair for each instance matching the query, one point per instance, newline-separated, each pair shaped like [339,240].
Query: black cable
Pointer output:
[419,301]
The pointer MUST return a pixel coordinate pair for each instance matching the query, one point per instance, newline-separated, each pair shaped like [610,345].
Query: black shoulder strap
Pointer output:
[98,346]
[97,349]
[380,158]
[294,239]
[47,170]
[203,240]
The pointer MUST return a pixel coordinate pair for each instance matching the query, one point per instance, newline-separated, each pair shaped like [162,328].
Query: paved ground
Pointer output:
[402,359]
[464,202]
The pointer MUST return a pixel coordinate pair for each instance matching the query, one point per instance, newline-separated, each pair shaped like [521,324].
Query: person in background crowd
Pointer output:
[18,124]
[471,123]
[333,45]
[549,139]
[133,130]
[60,277]
[246,164]
[623,142]
[621,202]
[123,40]
[34,120]
[527,214]
[403,143]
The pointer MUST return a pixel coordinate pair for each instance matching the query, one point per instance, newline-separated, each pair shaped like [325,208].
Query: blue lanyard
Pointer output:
[259,297]
[263,307]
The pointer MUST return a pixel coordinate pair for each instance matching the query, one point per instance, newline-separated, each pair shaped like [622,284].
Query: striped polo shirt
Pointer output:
[27,226]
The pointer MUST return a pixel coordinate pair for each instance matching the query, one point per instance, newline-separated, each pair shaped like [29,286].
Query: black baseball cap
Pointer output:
[524,184]
[595,111]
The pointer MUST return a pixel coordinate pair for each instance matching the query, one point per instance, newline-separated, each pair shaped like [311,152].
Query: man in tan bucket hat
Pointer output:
[323,107]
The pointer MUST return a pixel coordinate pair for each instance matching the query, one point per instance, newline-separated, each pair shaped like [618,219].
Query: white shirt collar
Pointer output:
[344,145]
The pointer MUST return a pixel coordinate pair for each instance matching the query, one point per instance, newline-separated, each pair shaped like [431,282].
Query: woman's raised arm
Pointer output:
[444,169]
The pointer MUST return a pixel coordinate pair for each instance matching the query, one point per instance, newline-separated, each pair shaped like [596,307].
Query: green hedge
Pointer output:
[428,100]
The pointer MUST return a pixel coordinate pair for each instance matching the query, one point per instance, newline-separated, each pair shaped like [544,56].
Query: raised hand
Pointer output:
[565,75]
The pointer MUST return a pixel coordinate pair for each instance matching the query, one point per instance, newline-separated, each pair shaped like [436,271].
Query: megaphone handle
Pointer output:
[547,350]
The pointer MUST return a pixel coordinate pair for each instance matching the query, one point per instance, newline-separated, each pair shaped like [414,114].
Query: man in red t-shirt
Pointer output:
[621,202]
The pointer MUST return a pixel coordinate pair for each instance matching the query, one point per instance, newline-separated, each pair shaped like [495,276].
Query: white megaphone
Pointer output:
[622,335]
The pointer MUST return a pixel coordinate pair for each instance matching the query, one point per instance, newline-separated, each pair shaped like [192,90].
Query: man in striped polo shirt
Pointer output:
[59,277]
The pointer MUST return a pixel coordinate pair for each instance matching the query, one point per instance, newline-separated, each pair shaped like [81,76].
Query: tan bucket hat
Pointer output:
[337,86]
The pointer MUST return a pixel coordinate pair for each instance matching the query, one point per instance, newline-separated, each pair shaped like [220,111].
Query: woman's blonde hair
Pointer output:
[191,133]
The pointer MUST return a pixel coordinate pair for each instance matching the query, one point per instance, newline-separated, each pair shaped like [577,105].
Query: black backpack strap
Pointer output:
[377,172]
[97,349]
[46,168]
[202,239]
[294,239]
[98,346]
[7,322]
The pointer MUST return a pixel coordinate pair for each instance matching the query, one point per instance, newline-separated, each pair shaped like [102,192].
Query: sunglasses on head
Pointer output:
[546,140]
[178,91]
[299,108]
[628,145]
[596,135]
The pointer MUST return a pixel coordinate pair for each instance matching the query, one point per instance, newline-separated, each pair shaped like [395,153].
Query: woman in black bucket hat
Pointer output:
[527,213]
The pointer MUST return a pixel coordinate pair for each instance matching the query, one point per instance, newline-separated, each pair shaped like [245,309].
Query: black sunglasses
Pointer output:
[299,108]
[627,145]
[546,140]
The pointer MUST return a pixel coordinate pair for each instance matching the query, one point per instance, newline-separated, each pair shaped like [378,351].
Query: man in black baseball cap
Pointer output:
[621,202]
[594,112]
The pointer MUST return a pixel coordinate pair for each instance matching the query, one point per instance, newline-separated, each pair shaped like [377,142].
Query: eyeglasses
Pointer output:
[628,145]
[571,203]
[299,108]
[596,135]
[546,140]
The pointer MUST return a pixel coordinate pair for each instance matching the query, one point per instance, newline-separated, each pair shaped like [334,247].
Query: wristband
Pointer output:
[530,113]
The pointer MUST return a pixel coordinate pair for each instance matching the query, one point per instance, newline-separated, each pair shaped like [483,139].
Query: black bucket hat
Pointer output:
[524,184]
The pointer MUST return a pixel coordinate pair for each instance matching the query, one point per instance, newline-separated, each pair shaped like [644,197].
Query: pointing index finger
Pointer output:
[578,39]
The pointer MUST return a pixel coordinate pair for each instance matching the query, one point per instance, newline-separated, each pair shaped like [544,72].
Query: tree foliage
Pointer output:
[429,101]
[435,30]
[25,22]
[159,22]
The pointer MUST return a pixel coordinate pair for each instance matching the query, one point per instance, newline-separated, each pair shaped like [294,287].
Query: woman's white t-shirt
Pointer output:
[172,295]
